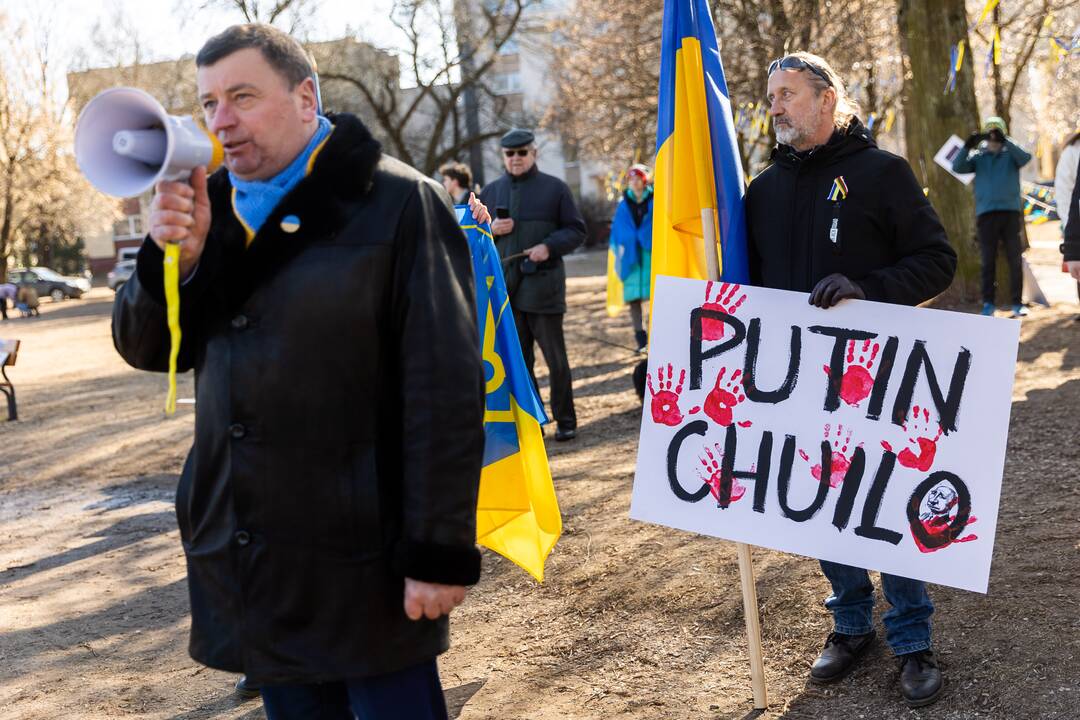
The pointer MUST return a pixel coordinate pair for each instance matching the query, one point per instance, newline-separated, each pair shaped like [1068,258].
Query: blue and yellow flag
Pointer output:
[697,158]
[517,514]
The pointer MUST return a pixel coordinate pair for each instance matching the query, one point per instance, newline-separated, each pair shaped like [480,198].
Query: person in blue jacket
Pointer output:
[996,161]
[631,239]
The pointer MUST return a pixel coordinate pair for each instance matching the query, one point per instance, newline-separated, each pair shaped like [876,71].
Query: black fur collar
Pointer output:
[342,175]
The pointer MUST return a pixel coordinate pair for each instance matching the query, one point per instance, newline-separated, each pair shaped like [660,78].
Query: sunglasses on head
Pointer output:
[794,63]
[521,152]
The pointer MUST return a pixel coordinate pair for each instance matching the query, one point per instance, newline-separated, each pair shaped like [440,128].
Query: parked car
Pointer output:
[49,282]
[120,274]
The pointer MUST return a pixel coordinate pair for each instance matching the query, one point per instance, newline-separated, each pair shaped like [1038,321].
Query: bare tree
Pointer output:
[608,70]
[445,56]
[1021,33]
[290,15]
[39,182]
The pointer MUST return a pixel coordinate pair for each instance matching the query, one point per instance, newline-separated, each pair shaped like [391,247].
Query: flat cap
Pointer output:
[517,137]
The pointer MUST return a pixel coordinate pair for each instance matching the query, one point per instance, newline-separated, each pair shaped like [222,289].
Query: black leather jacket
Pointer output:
[339,418]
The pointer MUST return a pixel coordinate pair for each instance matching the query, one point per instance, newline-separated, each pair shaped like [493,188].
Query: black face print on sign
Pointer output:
[932,540]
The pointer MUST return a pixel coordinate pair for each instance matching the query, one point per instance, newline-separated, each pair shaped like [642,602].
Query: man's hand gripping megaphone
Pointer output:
[180,213]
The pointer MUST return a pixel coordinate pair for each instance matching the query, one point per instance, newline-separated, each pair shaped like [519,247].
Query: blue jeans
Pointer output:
[411,694]
[907,622]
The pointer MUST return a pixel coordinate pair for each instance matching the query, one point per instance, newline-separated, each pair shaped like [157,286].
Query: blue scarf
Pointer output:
[256,199]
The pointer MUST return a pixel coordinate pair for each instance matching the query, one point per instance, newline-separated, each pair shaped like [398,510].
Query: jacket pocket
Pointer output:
[361,494]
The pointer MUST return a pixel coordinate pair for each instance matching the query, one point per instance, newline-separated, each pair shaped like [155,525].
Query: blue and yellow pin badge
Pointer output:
[839,189]
[290,223]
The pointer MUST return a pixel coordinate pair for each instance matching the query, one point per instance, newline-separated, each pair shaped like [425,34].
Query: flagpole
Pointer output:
[746,561]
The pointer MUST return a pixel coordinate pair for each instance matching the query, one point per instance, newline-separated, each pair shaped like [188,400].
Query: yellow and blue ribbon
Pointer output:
[839,189]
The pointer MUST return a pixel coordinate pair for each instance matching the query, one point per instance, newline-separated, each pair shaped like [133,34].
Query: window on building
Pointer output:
[506,83]
[129,228]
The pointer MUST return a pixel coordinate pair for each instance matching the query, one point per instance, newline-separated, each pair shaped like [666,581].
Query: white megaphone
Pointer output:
[125,142]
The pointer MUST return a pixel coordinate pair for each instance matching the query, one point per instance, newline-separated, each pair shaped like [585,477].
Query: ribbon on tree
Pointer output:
[987,9]
[956,62]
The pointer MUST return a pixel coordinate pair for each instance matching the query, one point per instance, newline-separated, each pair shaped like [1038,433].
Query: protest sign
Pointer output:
[947,154]
[868,434]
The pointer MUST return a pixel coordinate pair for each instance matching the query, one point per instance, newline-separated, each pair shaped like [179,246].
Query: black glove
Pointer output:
[973,140]
[834,288]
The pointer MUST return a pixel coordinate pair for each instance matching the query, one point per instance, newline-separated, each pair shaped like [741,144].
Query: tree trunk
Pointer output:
[1001,108]
[928,29]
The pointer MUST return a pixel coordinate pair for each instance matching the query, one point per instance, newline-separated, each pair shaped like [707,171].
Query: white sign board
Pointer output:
[948,152]
[868,434]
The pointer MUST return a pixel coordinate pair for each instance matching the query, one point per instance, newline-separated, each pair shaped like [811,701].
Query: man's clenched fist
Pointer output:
[181,213]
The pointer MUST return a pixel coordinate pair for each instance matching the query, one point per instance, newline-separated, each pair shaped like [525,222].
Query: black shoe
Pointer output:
[840,656]
[564,435]
[247,689]
[920,678]
[642,339]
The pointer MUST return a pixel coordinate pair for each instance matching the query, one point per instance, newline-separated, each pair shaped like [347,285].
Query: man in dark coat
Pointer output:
[838,218]
[536,224]
[328,505]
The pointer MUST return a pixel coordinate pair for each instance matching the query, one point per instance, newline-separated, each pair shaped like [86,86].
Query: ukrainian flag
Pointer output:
[697,159]
[517,514]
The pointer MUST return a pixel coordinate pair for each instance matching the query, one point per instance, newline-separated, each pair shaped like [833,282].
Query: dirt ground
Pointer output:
[634,620]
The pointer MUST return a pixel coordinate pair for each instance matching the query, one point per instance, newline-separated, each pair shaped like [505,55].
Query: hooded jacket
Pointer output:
[338,423]
[997,175]
[846,207]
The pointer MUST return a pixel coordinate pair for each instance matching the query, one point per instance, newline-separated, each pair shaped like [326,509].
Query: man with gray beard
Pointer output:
[838,218]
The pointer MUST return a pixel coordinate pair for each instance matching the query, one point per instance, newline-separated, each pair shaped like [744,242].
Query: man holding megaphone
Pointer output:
[327,507]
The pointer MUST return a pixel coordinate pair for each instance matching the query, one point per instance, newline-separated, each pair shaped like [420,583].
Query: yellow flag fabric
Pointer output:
[517,512]
[615,302]
[697,158]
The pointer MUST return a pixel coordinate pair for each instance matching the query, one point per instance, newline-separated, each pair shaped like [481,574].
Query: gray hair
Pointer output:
[846,106]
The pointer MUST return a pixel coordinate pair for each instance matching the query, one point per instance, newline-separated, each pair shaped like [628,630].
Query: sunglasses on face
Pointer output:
[794,63]
[511,153]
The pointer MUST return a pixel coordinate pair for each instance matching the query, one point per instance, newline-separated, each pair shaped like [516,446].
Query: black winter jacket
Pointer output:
[543,211]
[887,236]
[339,418]
[1071,247]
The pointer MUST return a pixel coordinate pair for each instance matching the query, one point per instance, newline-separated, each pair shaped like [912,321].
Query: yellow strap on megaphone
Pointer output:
[172,314]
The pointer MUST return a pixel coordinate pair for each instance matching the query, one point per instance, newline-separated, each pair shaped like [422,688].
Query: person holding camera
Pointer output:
[996,161]
[536,223]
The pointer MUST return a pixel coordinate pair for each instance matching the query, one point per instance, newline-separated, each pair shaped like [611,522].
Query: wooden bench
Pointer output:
[9,351]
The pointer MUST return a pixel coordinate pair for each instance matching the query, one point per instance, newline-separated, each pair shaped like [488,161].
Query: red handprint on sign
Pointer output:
[665,402]
[857,381]
[714,474]
[921,448]
[720,403]
[840,462]
[725,302]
